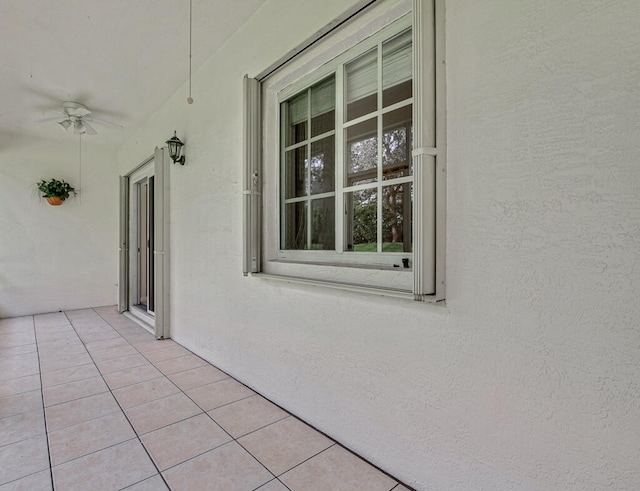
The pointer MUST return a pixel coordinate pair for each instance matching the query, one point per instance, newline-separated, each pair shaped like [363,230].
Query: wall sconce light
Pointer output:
[175,147]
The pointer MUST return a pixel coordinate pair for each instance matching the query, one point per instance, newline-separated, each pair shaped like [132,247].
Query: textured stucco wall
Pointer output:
[57,257]
[528,377]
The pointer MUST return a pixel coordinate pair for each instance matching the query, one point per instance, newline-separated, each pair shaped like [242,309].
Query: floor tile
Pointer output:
[11,339]
[197,377]
[66,362]
[19,385]
[92,326]
[226,468]
[130,376]
[62,352]
[184,440]
[121,363]
[106,310]
[18,350]
[285,444]
[92,337]
[155,483]
[15,324]
[80,410]
[274,485]
[166,353]
[73,390]
[106,344]
[19,366]
[53,334]
[65,375]
[218,394]
[63,328]
[88,437]
[144,392]
[50,320]
[40,481]
[141,338]
[118,352]
[127,331]
[58,343]
[161,412]
[81,314]
[95,471]
[21,427]
[336,469]
[247,415]
[146,346]
[20,403]
[180,364]
[23,458]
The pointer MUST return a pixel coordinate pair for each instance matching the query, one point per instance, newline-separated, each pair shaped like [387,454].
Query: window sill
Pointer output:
[386,292]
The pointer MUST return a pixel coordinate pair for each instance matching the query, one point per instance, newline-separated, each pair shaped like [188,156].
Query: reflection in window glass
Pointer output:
[323,105]
[362,156]
[396,69]
[323,224]
[361,220]
[397,144]
[295,232]
[396,217]
[362,85]
[322,164]
[295,113]
[296,180]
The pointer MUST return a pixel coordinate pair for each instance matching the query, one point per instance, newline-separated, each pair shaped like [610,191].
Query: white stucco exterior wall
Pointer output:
[57,257]
[528,377]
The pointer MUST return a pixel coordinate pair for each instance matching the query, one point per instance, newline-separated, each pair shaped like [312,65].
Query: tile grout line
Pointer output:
[137,437]
[44,414]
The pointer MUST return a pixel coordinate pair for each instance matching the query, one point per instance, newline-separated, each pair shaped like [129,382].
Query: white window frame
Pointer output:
[335,67]
[425,280]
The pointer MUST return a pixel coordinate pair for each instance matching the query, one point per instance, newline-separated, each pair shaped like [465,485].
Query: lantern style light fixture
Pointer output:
[175,147]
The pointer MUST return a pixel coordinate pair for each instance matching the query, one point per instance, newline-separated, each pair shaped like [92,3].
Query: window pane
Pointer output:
[323,107]
[295,226]
[361,225]
[323,224]
[362,153]
[296,181]
[396,69]
[397,143]
[396,217]
[295,113]
[362,85]
[322,165]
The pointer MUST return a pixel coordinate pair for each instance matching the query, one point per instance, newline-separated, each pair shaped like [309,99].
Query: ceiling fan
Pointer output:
[77,116]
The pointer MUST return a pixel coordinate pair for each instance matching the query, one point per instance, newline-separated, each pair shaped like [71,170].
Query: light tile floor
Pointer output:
[89,400]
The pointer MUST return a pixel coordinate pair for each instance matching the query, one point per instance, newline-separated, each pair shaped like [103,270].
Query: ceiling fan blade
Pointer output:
[75,109]
[48,120]
[104,122]
[88,128]
[65,124]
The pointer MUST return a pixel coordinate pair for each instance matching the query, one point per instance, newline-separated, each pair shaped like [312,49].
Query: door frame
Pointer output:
[159,323]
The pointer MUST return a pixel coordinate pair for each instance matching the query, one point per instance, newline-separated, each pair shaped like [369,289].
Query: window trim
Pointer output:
[423,10]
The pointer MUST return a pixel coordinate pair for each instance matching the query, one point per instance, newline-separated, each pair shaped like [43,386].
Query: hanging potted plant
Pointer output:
[55,191]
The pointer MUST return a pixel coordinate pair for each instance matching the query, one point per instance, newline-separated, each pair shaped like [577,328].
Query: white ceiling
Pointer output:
[121,58]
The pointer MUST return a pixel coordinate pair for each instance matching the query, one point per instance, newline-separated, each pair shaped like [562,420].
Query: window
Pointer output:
[349,181]
[351,194]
